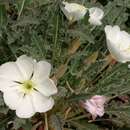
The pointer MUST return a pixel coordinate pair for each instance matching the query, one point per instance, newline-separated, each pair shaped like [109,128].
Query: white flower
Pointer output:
[73,11]
[118,43]
[26,86]
[95,16]
[95,105]
[129,66]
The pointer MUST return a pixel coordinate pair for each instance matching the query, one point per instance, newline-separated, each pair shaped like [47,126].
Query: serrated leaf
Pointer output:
[125,3]
[82,125]
[26,20]
[4,109]
[19,122]
[55,123]
[78,97]
[27,125]
[42,2]
[114,13]
[121,113]
[83,36]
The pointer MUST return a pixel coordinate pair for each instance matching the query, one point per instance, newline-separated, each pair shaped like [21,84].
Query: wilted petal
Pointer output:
[95,105]
[41,103]
[100,111]
[99,100]
[96,15]
[25,108]
[91,107]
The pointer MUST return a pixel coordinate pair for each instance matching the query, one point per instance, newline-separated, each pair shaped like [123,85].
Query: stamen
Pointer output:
[28,86]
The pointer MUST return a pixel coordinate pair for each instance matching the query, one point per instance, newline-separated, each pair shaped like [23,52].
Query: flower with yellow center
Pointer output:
[26,86]
[118,43]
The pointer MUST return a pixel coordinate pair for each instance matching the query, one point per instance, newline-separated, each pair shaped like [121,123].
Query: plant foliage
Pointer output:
[81,62]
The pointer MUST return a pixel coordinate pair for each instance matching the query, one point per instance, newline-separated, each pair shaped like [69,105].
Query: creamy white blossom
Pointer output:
[118,43]
[26,86]
[129,66]
[95,16]
[73,11]
[95,105]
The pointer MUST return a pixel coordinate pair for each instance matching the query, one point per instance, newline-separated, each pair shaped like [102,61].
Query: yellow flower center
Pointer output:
[127,50]
[28,86]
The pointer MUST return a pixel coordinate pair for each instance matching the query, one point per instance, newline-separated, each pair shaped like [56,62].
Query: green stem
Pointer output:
[21,9]
[46,121]
[77,118]
[123,92]
[56,36]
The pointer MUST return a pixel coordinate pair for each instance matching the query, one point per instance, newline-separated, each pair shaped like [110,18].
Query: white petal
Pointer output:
[25,108]
[26,66]
[46,87]
[67,14]
[99,100]
[10,71]
[94,21]
[100,111]
[42,103]
[73,11]
[112,33]
[115,42]
[115,52]
[124,38]
[96,15]
[12,97]
[91,107]
[128,66]
[41,71]
[72,7]
[4,84]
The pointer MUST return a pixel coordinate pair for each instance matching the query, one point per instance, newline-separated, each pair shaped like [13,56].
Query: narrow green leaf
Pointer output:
[21,5]
[3,16]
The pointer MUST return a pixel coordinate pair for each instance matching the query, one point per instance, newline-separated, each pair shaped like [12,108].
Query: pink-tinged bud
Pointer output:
[95,106]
